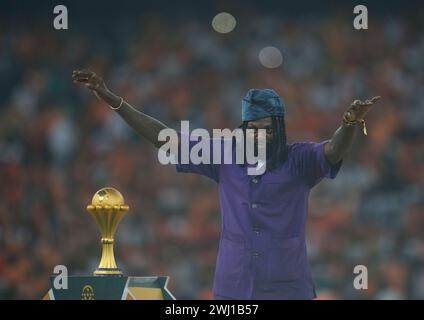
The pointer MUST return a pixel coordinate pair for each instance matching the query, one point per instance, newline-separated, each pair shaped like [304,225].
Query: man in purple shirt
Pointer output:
[262,251]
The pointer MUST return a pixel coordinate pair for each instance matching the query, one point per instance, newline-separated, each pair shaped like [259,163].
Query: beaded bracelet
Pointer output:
[351,123]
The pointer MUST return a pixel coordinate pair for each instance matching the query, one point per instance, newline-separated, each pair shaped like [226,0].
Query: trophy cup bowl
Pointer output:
[108,208]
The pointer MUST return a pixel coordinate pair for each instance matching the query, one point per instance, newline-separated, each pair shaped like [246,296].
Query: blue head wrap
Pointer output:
[261,103]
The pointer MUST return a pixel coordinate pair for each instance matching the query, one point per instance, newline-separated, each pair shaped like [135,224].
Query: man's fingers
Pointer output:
[371,101]
[80,79]
[84,76]
[77,74]
[366,102]
[83,73]
[355,104]
[88,78]
[90,86]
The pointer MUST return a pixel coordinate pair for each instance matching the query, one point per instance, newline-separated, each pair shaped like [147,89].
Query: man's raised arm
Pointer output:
[342,139]
[143,124]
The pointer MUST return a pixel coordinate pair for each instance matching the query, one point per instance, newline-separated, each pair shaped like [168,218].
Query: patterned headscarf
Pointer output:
[261,103]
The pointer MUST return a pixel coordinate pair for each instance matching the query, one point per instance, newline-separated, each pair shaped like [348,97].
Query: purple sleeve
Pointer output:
[312,164]
[209,170]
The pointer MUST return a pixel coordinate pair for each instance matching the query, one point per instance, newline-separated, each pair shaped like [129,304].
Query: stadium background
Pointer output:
[58,144]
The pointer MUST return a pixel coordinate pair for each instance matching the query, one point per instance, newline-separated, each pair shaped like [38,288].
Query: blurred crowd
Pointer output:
[59,145]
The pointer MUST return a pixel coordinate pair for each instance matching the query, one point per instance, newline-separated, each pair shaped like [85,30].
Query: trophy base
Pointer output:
[111,288]
[108,272]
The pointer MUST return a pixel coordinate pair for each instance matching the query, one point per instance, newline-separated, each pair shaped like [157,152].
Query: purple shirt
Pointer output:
[262,250]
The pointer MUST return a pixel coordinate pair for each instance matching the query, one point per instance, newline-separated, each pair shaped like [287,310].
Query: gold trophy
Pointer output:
[108,208]
[108,283]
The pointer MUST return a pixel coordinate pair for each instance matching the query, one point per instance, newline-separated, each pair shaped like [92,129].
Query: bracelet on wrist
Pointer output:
[348,123]
[119,106]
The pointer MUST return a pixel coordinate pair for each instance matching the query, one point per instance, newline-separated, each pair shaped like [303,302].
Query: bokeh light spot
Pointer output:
[224,22]
[270,57]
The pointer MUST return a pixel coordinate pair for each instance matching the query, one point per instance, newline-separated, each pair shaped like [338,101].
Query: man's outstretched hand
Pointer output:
[342,139]
[93,82]
[358,109]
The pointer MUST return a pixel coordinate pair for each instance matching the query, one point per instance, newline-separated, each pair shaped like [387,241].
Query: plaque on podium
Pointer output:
[111,288]
[108,283]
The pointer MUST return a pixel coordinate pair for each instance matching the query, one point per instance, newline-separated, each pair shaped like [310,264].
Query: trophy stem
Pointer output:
[107,264]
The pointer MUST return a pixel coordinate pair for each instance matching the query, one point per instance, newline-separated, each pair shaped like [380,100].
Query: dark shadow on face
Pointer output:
[264,123]
[276,140]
